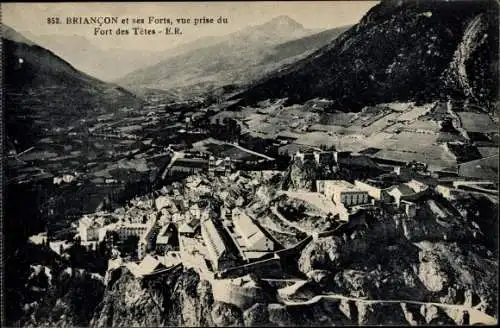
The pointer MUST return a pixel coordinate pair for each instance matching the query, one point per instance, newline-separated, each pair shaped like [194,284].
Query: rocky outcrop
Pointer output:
[430,227]
[302,175]
[459,75]
[327,253]
[256,315]
[381,261]
[329,312]
[126,303]
[459,274]
[178,298]
[432,275]
[226,315]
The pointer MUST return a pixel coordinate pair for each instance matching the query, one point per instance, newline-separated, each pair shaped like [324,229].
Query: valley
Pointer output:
[278,175]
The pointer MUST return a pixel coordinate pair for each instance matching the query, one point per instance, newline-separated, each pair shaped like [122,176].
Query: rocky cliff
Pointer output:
[383,260]
[179,298]
[371,258]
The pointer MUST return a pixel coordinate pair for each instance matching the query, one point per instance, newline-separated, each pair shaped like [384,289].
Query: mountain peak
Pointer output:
[284,21]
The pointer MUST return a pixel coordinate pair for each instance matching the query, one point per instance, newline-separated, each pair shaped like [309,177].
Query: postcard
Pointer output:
[267,163]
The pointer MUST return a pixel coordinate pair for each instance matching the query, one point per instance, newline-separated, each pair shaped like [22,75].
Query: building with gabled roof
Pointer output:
[410,191]
[147,266]
[219,247]
[186,230]
[253,238]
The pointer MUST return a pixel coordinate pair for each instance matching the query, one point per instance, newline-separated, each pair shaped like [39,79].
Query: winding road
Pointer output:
[475,316]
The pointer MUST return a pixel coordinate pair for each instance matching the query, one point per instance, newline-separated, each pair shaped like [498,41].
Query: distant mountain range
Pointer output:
[109,64]
[43,91]
[400,50]
[83,54]
[236,59]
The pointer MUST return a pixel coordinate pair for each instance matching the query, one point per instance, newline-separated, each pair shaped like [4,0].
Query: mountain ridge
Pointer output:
[398,51]
[238,59]
[43,92]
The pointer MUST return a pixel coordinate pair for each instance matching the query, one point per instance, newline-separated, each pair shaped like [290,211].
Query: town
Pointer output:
[229,221]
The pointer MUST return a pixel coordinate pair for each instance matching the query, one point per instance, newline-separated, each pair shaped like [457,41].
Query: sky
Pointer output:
[32,17]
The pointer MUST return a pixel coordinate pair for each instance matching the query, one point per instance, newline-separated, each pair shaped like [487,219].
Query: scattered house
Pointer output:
[485,187]
[341,155]
[193,181]
[400,192]
[226,213]
[162,201]
[68,178]
[410,191]
[188,166]
[195,211]
[177,217]
[38,239]
[417,186]
[376,190]
[292,148]
[60,246]
[220,254]
[284,140]
[401,170]
[252,236]
[103,231]
[125,230]
[88,229]
[341,191]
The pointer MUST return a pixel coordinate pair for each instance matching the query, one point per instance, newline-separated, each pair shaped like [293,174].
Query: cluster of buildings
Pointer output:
[214,166]
[348,196]
[228,238]
[234,239]
[407,183]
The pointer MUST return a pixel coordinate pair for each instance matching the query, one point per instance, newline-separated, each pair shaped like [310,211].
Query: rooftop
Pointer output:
[186,228]
[191,162]
[248,229]
[214,235]
[403,189]
[342,184]
[379,183]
